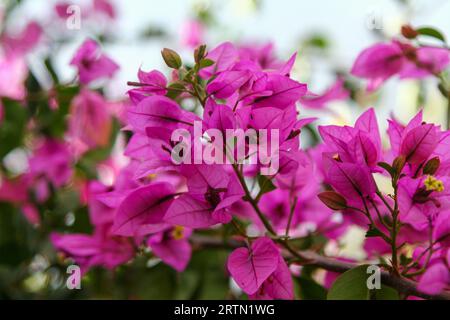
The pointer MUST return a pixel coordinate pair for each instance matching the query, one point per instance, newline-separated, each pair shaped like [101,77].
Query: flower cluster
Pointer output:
[158,203]
[212,150]
[415,211]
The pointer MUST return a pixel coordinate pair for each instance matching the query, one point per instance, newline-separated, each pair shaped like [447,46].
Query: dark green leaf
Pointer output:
[310,289]
[265,184]
[404,260]
[12,126]
[431,32]
[373,232]
[387,167]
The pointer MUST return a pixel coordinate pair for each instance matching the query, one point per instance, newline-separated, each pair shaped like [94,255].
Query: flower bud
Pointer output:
[200,53]
[171,58]
[333,200]
[408,32]
[431,166]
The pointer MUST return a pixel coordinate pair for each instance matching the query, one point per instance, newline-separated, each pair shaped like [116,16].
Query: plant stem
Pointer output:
[291,213]
[372,223]
[380,195]
[395,230]
[238,228]
[253,203]
[379,215]
[248,197]
[403,285]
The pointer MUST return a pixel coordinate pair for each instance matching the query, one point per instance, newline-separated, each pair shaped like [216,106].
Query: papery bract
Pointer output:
[360,144]
[419,143]
[251,267]
[285,92]
[352,180]
[13,72]
[99,249]
[90,121]
[441,230]
[435,279]
[172,246]
[383,60]
[378,63]
[211,191]
[151,83]
[279,285]
[224,56]
[159,111]
[335,93]
[23,42]
[192,33]
[105,7]
[92,64]
[52,160]
[142,211]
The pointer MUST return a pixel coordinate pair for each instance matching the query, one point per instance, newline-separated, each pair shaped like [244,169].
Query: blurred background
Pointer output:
[328,35]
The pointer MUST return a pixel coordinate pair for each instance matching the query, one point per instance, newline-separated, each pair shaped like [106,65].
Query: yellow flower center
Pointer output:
[433,184]
[151,176]
[178,232]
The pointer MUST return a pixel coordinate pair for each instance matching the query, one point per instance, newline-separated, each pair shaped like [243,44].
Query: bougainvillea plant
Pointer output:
[214,163]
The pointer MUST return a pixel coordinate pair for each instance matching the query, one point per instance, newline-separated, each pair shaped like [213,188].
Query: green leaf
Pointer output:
[386,293]
[187,285]
[17,237]
[352,285]
[51,70]
[265,184]
[318,41]
[12,127]
[152,31]
[387,167]
[404,260]
[54,122]
[373,232]
[311,290]
[175,89]
[210,270]
[205,63]
[431,32]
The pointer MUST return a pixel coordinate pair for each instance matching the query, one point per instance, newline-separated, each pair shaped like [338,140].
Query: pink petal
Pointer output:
[435,279]
[142,211]
[224,56]
[285,92]
[419,143]
[250,268]
[175,253]
[278,286]
[190,212]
